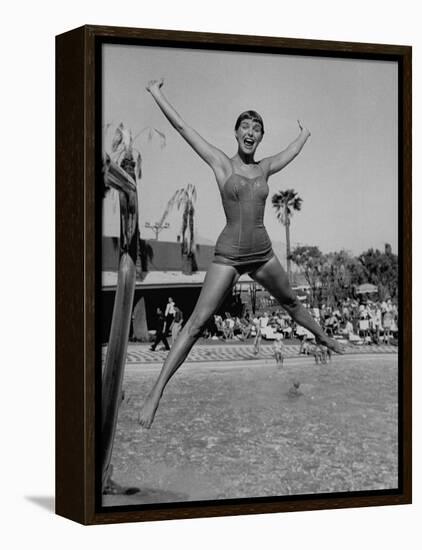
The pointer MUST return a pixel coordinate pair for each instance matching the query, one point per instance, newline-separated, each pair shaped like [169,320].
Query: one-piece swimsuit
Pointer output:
[244,242]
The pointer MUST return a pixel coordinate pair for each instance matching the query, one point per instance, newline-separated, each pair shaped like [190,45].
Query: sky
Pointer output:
[346,174]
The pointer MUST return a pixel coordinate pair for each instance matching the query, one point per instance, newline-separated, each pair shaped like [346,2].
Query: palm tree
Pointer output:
[122,145]
[285,203]
[145,256]
[123,152]
[184,199]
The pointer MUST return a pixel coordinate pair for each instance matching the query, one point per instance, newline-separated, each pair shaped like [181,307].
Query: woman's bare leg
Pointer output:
[219,280]
[273,277]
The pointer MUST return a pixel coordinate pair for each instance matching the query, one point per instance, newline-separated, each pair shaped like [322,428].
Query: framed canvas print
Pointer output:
[233,274]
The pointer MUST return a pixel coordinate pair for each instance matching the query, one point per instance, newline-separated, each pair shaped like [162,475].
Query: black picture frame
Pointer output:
[78,171]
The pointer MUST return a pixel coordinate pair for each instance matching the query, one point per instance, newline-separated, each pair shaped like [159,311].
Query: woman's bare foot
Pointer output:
[332,344]
[149,408]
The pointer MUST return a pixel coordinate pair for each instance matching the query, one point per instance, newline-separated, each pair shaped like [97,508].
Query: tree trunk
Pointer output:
[187,264]
[252,289]
[288,253]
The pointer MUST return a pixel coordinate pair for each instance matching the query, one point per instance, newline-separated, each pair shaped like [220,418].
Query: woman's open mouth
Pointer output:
[249,142]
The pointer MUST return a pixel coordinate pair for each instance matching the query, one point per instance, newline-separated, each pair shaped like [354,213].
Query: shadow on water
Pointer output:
[46,502]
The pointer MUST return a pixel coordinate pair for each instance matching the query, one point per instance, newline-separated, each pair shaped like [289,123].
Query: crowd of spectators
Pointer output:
[358,322]
[369,322]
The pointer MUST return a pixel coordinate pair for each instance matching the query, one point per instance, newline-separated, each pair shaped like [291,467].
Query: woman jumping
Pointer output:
[244,245]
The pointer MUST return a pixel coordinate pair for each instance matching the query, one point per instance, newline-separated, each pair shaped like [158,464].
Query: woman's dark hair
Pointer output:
[250,115]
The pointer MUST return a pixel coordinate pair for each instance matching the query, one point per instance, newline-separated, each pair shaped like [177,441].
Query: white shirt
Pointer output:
[170,309]
[263,321]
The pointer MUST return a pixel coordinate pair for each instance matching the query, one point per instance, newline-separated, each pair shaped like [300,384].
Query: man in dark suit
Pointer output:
[160,335]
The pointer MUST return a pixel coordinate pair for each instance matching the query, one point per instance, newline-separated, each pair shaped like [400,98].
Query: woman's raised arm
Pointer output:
[215,158]
[274,164]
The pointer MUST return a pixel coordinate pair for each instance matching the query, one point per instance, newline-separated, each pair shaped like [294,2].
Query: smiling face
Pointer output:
[249,132]
[249,135]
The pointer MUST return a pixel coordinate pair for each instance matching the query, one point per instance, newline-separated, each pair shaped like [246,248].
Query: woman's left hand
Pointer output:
[304,129]
[155,85]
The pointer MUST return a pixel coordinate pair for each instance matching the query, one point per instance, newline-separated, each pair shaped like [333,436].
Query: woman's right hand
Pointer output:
[154,85]
[304,129]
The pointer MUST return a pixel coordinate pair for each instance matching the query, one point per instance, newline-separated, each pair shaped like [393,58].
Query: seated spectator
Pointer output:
[331,325]
[347,329]
[228,327]
[219,325]
[245,328]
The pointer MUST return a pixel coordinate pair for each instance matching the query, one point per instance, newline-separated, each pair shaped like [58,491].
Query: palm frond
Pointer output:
[285,203]
[138,166]
[190,192]
[117,139]
[297,203]
[162,138]
[281,217]
[151,132]
[181,198]
[184,221]
[169,207]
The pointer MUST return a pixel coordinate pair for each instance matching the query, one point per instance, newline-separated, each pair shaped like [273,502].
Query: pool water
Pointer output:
[238,431]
